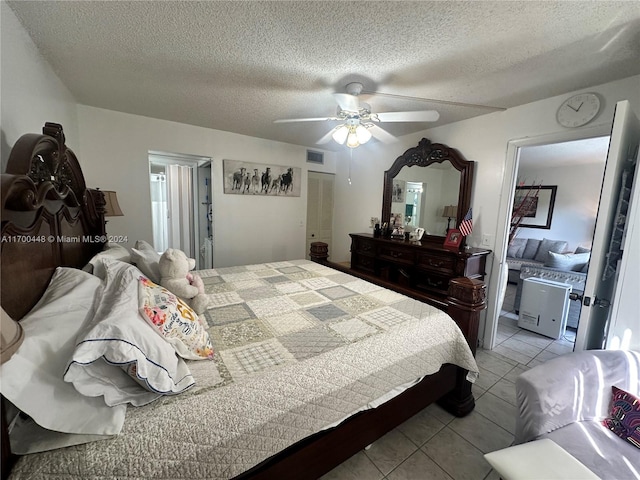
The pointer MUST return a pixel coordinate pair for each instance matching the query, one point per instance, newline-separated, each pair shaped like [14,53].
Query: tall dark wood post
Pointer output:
[467,298]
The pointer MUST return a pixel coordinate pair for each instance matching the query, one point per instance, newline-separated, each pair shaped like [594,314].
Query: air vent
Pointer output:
[315,157]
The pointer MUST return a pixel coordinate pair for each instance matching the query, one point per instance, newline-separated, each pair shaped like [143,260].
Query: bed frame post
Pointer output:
[467,298]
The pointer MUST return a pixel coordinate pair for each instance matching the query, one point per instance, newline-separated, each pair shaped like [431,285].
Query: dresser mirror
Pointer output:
[428,186]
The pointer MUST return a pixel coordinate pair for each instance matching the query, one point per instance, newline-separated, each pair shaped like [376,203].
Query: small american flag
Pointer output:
[466,225]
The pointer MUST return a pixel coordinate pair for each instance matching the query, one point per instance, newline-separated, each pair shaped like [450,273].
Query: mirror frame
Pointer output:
[425,154]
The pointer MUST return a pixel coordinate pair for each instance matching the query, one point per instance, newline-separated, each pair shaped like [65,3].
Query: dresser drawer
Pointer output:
[432,282]
[364,246]
[396,254]
[363,262]
[436,262]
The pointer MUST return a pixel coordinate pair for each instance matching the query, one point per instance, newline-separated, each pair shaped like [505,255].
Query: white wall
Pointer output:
[247,229]
[576,204]
[31,92]
[483,139]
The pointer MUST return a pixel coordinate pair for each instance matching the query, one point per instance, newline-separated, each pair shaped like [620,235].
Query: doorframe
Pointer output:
[509,179]
[194,161]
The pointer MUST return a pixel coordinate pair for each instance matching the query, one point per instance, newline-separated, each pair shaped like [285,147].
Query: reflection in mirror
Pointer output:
[439,177]
[421,195]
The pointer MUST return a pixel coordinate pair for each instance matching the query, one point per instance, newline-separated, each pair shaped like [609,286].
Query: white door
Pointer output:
[319,208]
[600,285]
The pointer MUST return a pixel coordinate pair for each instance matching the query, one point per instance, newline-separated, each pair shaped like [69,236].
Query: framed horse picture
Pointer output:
[247,178]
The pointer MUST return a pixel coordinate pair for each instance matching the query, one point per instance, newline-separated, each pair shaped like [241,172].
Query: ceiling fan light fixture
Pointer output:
[340,134]
[352,139]
[363,134]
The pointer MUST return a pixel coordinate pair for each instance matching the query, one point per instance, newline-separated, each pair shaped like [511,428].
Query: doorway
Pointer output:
[320,188]
[181,205]
[563,181]
[499,267]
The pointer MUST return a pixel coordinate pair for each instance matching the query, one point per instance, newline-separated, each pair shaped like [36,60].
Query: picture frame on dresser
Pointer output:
[453,239]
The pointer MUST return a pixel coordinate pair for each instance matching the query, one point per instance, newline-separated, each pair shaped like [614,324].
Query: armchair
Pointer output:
[565,400]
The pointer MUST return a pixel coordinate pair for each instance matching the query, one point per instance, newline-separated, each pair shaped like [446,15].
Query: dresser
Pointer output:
[420,267]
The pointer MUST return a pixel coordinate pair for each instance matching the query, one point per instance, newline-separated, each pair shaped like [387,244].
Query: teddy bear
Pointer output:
[176,276]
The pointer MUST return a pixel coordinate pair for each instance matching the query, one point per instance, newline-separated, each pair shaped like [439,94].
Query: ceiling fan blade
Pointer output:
[347,102]
[415,116]
[326,138]
[381,134]
[318,119]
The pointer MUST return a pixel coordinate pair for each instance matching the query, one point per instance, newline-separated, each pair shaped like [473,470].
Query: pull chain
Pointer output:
[350,160]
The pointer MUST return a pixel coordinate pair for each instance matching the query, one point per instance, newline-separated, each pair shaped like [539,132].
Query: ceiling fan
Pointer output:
[359,122]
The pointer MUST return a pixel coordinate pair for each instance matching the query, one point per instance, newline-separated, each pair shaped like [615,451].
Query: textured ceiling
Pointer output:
[238,66]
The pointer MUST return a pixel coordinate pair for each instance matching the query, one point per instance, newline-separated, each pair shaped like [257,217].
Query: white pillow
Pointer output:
[32,378]
[146,259]
[119,346]
[111,250]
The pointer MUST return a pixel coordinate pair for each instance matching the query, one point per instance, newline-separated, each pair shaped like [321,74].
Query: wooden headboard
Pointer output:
[49,218]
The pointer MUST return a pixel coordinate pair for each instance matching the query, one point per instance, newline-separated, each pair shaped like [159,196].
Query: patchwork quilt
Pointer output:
[298,347]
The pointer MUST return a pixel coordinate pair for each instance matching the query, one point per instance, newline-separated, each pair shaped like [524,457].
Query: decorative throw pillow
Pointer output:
[174,320]
[547,246]
[146,259]
[531,248]
[516,247]
[582,250]
[624,416]
[567,261]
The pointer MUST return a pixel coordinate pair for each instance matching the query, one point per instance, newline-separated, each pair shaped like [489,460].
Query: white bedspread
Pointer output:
[299,347]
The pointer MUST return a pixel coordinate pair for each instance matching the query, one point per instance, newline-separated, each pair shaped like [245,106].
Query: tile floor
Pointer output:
[436,445]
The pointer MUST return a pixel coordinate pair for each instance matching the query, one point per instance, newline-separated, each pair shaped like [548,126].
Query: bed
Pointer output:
[310,364]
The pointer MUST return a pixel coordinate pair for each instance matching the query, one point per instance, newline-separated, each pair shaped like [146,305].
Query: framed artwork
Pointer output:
[248,178]
[453,239]
[396,220]
[399,191]
[533,206]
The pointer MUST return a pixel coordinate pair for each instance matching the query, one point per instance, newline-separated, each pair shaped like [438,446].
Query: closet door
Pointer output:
[607,253]
[320,188]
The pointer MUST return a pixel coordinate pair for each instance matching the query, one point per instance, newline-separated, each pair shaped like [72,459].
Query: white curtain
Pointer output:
[180,201]
[159,211]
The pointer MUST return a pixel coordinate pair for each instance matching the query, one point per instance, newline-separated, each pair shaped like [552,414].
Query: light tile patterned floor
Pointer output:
[434,445]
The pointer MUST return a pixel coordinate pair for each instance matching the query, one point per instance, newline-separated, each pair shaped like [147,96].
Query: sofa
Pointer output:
[530,251]
[567,398]
[548,263]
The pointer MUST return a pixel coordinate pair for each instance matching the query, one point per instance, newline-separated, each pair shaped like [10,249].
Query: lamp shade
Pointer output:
[450,211]
[363,134]
[340,135]
[12,336]
[111,208]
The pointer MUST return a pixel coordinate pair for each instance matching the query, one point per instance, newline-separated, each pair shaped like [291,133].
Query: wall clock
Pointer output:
[578,110]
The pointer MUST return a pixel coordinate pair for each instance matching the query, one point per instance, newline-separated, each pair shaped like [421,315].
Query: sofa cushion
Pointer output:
[598,449]
[624,419]
[547,246]
[516,247]
[567,261]
[531,248]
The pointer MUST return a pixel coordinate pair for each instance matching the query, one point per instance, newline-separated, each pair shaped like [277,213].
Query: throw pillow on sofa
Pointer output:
[546,246]
[531,248]
[516,247]
[567,261]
